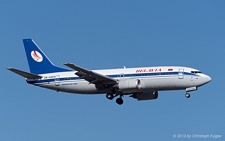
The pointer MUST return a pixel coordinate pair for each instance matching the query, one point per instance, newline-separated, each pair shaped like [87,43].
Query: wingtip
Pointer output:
[68,64]
[9,68]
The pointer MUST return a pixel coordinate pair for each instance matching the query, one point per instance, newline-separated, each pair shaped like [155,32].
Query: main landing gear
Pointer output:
[109,96]
[118,100]
[187,95]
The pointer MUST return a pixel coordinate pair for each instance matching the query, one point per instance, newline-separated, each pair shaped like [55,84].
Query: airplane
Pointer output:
[139,83]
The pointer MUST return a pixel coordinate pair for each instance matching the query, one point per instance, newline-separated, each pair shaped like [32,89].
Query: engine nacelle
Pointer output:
[145,95]
[129,84]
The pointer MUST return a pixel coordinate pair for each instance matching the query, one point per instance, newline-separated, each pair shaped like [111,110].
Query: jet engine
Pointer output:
[129,84]
[145,95]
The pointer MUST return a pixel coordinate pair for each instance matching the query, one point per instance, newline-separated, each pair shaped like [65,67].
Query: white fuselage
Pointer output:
[150,79]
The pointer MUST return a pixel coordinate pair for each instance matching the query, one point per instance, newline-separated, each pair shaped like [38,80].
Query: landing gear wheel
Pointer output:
[187,95]
[109,96]
[119,101]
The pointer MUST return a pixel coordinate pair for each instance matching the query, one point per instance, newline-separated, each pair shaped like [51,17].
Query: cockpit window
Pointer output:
[195,72]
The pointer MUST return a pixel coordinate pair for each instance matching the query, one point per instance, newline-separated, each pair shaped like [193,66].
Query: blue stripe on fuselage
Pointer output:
[157,74]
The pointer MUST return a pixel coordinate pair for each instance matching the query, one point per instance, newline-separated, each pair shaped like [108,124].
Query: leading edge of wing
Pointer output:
[91,76]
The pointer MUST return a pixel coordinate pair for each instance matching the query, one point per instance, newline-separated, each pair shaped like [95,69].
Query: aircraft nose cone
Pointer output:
[204,80]
[207,79]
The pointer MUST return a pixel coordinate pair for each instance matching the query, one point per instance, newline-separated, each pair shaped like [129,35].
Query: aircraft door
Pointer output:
[57,78]
[181,73]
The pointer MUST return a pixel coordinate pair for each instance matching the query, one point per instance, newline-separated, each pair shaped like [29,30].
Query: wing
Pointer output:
[90,76]
[25,74]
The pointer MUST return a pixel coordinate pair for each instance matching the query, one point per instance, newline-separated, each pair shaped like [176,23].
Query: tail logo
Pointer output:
[36,56]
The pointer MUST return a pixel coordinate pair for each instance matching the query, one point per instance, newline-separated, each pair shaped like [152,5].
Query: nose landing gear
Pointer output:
[187,95]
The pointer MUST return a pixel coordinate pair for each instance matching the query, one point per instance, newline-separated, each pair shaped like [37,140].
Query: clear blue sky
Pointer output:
[112,34]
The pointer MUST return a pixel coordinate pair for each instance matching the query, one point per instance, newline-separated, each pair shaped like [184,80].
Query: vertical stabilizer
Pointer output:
[37,60]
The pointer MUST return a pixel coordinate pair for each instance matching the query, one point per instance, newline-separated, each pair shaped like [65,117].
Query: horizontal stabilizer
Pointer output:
[25,74]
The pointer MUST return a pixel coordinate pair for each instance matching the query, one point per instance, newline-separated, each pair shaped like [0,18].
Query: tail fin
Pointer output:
[37,60]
